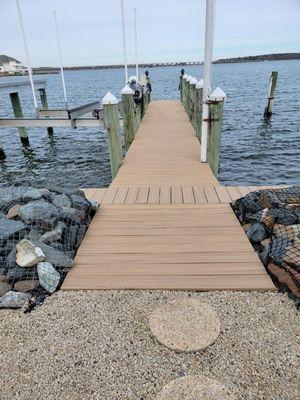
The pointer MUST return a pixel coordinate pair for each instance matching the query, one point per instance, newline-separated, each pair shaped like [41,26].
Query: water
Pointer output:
[252,152]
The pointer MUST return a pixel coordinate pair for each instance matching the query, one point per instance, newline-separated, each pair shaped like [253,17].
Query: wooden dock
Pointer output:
[165,222]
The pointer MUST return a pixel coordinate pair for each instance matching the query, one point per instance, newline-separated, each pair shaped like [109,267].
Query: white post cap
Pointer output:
[127,90]
[109,98]
[185,75]
[217,94]
[133,78]
[200,84]
[193,81]
[189,78]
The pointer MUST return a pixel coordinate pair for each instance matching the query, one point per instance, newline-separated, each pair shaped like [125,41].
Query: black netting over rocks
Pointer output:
[271,219]
[40,232]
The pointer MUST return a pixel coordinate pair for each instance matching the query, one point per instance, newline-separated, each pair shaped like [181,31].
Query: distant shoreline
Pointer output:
[231,60]
[263,57]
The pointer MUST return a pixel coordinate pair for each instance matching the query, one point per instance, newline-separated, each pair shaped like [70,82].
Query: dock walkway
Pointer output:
[165,222]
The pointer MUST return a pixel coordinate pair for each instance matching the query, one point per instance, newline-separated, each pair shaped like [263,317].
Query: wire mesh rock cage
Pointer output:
[40,232]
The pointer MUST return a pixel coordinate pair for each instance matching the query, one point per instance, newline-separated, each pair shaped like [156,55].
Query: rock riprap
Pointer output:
[40,232]
[195,388]
[271,219]
[28,254]
[186,325]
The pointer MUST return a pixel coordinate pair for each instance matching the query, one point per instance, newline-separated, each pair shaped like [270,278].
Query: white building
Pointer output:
[12,68]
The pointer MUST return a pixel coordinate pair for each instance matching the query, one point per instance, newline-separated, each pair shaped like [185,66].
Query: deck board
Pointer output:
[165,222]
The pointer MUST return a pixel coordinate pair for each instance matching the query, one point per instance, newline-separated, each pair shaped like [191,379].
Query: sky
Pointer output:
[168,30]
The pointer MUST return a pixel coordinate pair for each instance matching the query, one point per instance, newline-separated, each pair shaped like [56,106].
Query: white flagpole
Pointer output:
[136,45]
[60,59]
[27,53]
[208,54]
[124,42]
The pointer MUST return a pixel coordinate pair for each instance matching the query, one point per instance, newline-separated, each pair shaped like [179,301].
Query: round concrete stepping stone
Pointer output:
[194,388]
[185,325]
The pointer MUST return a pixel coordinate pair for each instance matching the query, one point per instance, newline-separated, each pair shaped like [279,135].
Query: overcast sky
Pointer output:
[169,30]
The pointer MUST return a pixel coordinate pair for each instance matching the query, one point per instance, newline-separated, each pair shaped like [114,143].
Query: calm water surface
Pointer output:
[251,152]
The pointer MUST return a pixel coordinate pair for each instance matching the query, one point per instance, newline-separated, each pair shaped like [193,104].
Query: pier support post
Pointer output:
[198,109]
[2,154]
[215,105]
[271,95]
[129,115]
[187,102]
[44,101]
[180,84]
[184,83]
[112,124]
[193,83]
[17,108]
[149,86]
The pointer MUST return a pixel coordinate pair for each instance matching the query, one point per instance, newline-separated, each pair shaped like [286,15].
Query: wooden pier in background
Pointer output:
[165,222]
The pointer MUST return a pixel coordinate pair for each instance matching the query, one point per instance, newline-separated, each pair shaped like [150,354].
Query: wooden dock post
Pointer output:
[148,84]
[271,95]
[184,85]
[192,107]
[112,124]
[44,101]
[198,109]
[181,83]
[129,115]
[2,154]
[17,108]
[216,105]
[187,102]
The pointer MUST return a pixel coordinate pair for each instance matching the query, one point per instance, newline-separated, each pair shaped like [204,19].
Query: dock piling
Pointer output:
[2,154]
[44,101]
[192,108]
[129,115]
[216,105]
[180,84]
[198,108]
[112,124]
[271,95]
[18,113]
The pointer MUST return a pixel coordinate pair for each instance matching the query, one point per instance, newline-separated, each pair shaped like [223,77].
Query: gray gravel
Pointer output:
[97,345]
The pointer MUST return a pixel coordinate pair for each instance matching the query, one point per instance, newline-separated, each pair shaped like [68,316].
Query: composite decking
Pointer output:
[165,222]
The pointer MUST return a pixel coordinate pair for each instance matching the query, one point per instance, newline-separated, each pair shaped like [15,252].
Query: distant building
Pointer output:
[13,68]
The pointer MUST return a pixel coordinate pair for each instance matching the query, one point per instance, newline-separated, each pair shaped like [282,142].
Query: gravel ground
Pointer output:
[97,345]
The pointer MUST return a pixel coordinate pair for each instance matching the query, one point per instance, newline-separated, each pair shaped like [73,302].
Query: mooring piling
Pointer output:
[198,108]
[2,154]
[128,115]
[271,95]
[18,113]
[216,105]
[180,85]
[193,83]
[112,124]
[44,101]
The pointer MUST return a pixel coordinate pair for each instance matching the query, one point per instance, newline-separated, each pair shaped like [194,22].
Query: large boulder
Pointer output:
[40,213]
[10,229]
[56,257]
[18,194]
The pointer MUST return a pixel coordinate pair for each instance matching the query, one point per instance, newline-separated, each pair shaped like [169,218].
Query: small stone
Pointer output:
[94,205]
[195,388]
[2,278]
[285,278]
[246,227]
[185,325]
[4,288]
[19,273]
[257,233]
[55,234]
[13,211]
[9,228]
[80,203]
[14,300]
[26,286]
[61,201]
[48,276]
[28,254]
[56,257]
